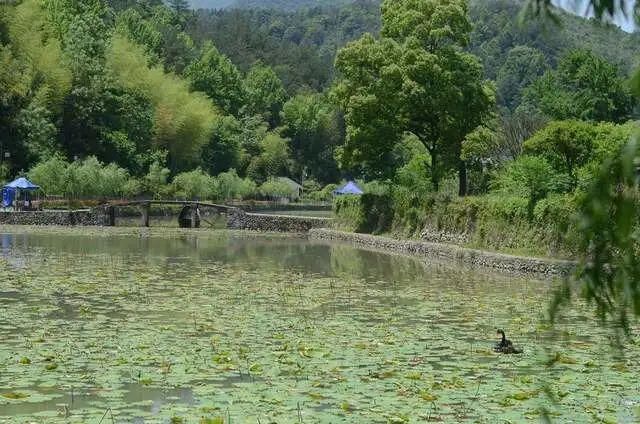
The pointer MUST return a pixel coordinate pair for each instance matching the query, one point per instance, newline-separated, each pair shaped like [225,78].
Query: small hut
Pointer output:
[296,189]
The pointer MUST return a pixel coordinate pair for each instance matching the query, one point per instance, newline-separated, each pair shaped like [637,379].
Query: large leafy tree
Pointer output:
[584,86]
[214,74]
[311,122]
[521,68]
[417,79]
[265,93]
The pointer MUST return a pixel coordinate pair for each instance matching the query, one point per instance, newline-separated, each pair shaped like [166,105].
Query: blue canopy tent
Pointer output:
[10,191]
[349,188]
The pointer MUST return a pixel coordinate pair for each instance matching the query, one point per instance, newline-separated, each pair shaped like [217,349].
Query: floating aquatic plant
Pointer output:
[279,330]
[14,395]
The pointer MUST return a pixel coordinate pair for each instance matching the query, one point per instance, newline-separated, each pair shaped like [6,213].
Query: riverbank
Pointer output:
[451,253]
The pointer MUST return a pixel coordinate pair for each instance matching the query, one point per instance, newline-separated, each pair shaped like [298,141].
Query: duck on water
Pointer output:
[505,345]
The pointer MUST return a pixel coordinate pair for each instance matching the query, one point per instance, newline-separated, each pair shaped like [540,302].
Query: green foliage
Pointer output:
[577,148]
[367,92]
[214,74]
[521,68]
[369,213]
[86,178]
[415,174]
[193,185]
[160,31]
[387,87]
[530,177]
[325,194]
[229,186]
[50,175]
[155,182]
[565,144]
[265,93]
[300,45]
[609,232]
[311,123]
[500,27]
[273,159]
[477,221]
[223,150]
[183,120]
[584,86]
[275,188]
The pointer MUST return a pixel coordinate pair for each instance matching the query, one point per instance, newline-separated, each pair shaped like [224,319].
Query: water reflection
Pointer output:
[274,253]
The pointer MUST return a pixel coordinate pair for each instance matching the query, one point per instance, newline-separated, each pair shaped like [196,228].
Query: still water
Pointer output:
[168,326]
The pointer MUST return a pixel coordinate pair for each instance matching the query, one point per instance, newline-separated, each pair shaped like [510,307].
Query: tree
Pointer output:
[275,154]
[273,160]
[229,186]
[182,120]
[265,93]
[601,8]
[523,66]
[312,125]
[514,128]
[223,151]
[416,79]
[584,86]
[567,145]
[155,181]
[178,6]
[193,185]
[50,175]
[531,177]
[214,74]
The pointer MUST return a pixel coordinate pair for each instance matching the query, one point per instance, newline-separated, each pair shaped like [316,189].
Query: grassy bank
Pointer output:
[491,222]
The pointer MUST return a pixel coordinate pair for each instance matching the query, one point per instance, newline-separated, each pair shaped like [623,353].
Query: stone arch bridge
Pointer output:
[189,216]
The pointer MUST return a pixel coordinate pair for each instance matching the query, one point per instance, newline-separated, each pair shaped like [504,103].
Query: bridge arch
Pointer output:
[189,216]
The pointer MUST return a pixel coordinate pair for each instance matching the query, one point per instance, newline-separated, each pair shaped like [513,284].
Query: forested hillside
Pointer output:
[301,45]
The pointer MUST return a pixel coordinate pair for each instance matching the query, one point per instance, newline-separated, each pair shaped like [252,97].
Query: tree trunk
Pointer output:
[435,178]
[462,176]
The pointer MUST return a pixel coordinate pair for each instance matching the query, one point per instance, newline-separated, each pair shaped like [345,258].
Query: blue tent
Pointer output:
[22,184]
[9,190]
[349,188]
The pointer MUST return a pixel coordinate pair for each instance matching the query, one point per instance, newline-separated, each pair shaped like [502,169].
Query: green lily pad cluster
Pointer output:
[217,327]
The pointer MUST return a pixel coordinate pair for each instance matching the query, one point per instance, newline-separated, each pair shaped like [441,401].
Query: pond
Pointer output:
[166,326]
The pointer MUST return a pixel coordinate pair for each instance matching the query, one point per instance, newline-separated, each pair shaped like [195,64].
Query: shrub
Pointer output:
[565,145]
[325,194]
[415,174]
[376,187]
[229,186]
[274,189]
[155,182]
[369,213]
[132,188]
[50,175]
[530,177]
[193,185]
[86,178]
[409,210]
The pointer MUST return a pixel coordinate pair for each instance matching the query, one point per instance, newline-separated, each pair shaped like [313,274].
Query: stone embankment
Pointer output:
[240,220]
[68,218]
[451,253]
